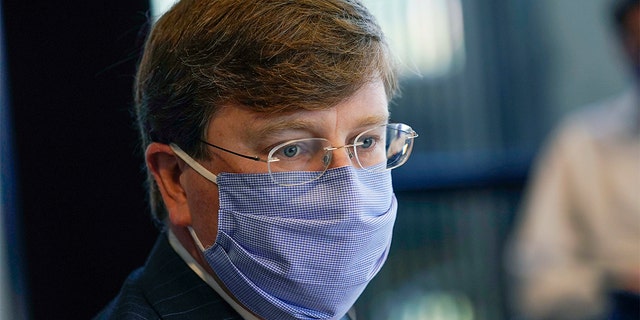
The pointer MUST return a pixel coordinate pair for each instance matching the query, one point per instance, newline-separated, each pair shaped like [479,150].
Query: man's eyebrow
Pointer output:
[273,127]
[373,120]
[280,125]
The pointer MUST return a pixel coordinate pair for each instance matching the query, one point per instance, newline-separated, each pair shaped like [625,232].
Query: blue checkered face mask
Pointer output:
[300,252]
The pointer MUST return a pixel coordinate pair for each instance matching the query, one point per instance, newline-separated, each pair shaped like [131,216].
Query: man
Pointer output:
[577,251]
[268,147]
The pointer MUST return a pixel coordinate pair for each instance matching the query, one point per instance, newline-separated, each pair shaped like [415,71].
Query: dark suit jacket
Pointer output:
[166,288]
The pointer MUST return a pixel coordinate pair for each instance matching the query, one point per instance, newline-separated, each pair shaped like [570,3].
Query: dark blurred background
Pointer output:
[484,82]
[80,195]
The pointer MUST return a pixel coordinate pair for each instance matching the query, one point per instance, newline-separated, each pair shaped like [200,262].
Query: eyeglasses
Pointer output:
[380,148]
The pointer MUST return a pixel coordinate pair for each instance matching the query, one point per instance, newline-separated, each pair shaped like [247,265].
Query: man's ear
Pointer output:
[166,169]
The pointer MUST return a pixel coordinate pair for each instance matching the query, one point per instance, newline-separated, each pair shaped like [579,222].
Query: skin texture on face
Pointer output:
[192,200]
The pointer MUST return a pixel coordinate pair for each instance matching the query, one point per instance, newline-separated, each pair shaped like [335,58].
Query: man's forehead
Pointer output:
[308,121]
[256,126]
[367,107]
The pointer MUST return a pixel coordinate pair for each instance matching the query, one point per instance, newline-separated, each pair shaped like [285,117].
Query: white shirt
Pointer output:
[580,223]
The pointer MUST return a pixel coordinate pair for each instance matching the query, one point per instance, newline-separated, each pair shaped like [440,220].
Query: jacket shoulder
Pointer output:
[130,303]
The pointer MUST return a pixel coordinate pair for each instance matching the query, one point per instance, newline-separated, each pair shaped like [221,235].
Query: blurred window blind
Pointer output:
[467,88]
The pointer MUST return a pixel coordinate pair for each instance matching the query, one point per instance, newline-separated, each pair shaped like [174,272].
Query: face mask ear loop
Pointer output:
[193,164]
[196,239]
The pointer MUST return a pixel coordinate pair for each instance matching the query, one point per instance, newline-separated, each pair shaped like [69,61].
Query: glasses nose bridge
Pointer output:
[339,161]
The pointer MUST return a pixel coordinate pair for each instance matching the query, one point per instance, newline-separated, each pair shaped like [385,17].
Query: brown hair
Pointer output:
[269,55]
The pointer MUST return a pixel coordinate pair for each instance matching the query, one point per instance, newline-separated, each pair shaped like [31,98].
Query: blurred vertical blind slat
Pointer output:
[12,287]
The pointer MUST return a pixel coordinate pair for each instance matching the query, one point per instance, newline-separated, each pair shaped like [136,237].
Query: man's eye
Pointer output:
[368,142]
[290,151]
[299,150]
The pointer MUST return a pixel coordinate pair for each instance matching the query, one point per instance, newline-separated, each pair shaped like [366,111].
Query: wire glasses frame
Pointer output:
[381,148]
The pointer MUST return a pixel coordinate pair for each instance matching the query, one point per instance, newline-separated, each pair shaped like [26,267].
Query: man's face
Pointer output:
[250,133]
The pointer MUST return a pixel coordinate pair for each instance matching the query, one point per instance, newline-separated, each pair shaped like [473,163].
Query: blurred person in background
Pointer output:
[576,251]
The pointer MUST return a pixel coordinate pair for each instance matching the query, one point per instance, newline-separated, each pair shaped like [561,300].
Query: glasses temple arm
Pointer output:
[254,158]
